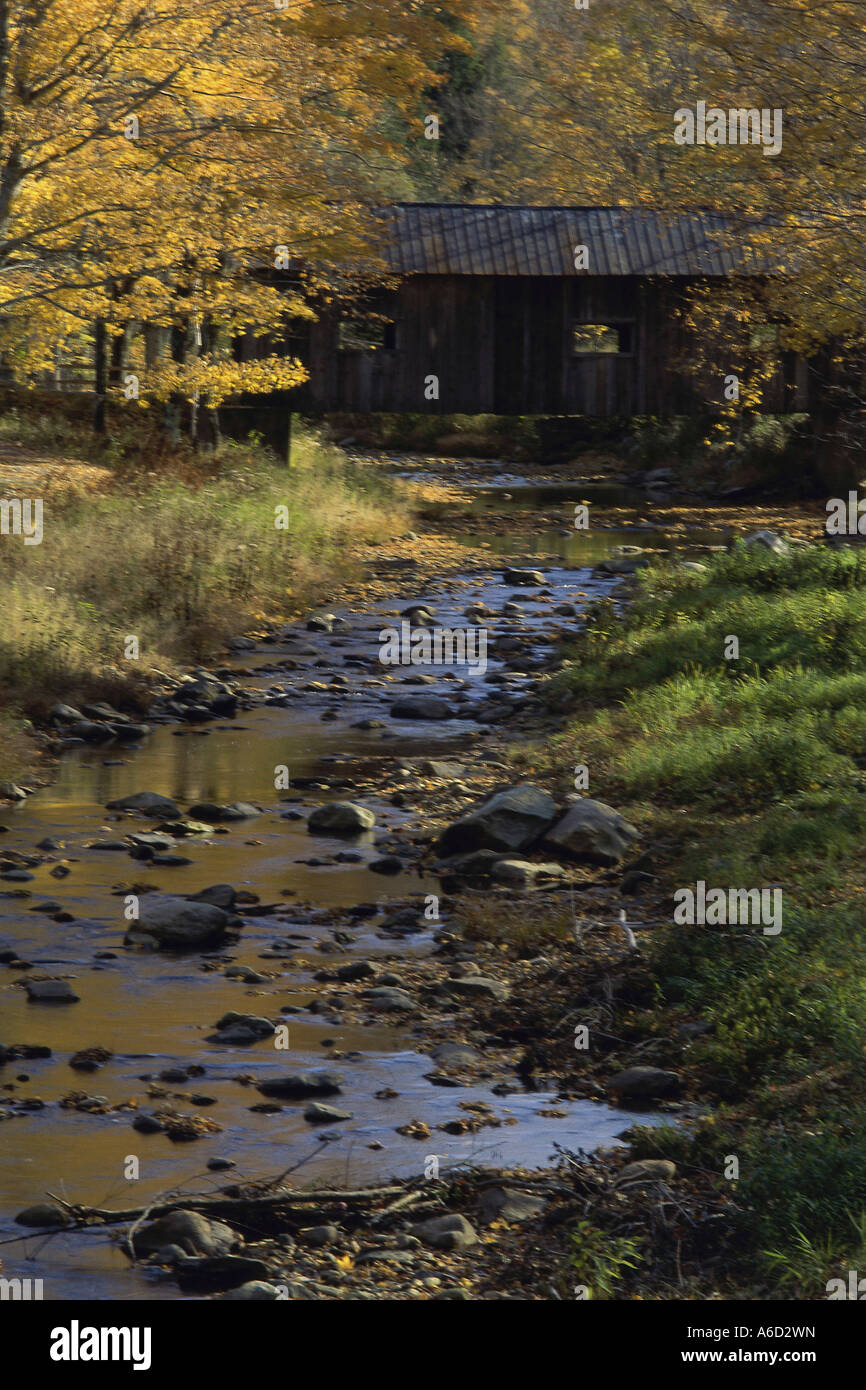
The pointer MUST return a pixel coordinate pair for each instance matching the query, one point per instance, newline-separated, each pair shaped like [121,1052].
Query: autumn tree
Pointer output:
[153,155]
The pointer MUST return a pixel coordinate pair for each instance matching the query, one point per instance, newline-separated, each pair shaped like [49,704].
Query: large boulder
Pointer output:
[192,1232]
[340,818]
[148,803]
[593,832]
[174,924]
[510,820]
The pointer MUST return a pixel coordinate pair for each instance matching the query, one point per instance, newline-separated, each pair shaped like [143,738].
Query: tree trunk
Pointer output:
[99,376]
[174,406]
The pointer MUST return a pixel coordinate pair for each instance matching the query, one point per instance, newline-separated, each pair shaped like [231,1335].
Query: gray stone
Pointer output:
[318,1114]
[152,840]
[389,1001]
[510,820]
[534,578]
[340,818]
[479,987]
[241,1028]
[176,924]
[214,811]
[355,970]
[644,1083]
[509,1204]
[256,1291]
[65,714]
[11,792]
[646,1170]
[451,1232]
[319,1235]
[148,803]
[42,1214]
[421,707]
[300,1085]
[768,540]
[445,772]
[593,832]
[194,1233]
[218,895]
[52,991]
[521,873]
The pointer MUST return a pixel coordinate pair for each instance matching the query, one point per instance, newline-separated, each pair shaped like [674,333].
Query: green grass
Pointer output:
[749,772]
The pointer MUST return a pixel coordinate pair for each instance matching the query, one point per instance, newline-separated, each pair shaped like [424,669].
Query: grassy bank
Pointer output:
[179,558]
[745,773]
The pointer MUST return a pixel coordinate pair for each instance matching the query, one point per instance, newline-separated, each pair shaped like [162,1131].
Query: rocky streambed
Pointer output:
[232,948]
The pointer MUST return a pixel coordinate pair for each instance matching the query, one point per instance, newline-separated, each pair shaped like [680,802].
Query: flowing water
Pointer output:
[156,1011]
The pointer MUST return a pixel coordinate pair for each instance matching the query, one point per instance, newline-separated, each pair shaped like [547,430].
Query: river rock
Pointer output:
[213,811]
[300,1085]
[389,1001]
[388,865]
[593,832]
[194,1233]
[644,1083]
[65,714]
[319,1235]
[533,578]
[42,1214]
[91,731]
[318,1114]
[234,1028]
[218,895]
[451,1232]
[152,840]
[520,873]
[767,540]
[421,707]
[186,827]
[128,733]
[646,1170]
[340,818]
[256,1291]
[177,924]
[10,791]
[355,970]
[510,820]
[509,1204]
[52,992]
[454,1055]
[148,803]
[445,772]
[480,987]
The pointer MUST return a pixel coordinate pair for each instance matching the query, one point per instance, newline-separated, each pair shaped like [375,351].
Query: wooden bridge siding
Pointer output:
[502,344]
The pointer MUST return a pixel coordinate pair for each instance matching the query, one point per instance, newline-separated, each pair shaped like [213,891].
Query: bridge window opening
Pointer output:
[353,335]
[601,339]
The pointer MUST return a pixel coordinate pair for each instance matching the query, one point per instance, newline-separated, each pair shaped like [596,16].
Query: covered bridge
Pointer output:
[529,310]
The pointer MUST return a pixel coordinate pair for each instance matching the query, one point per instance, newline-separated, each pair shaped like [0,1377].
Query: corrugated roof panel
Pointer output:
[471,239]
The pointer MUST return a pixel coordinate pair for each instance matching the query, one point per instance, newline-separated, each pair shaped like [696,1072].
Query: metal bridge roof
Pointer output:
[478,239]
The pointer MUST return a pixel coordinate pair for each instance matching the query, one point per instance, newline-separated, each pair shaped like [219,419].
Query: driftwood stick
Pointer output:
[225,1206]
